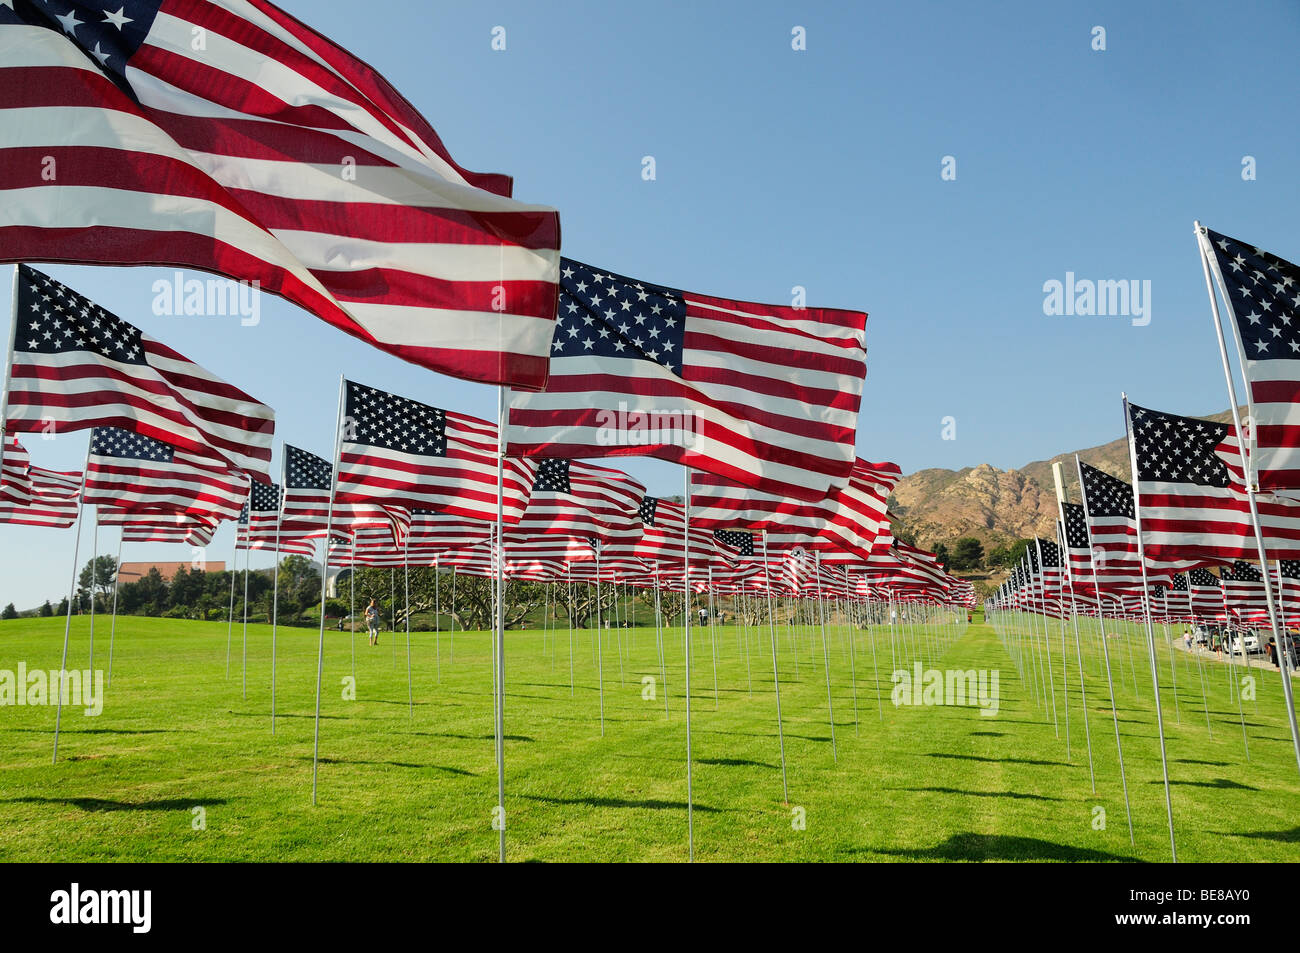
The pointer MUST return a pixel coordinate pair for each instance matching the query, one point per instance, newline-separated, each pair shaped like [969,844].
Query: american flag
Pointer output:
[80,366]
[15,485]
[1207,598]
[1112,529]
[850,517]
[138,527]
[762,394]
[53,500]
[266,153]
[1078,551]
[581,500]
[1243,590]
[662,534]
[307,480]
[133,472]
[1262,293]
[1191,489]
[287,545]
[398,451]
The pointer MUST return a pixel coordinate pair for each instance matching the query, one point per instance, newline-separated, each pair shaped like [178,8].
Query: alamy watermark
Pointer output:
[646,427]
[79,688]
[932,686]
[1104,297]
[179,296]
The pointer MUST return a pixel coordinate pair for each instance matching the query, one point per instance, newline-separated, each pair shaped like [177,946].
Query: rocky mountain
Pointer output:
[996,506]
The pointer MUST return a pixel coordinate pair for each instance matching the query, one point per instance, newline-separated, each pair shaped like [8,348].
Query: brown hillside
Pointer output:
[996,506]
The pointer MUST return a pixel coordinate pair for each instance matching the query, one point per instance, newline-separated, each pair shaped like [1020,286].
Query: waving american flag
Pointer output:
[225,135]
[762,394]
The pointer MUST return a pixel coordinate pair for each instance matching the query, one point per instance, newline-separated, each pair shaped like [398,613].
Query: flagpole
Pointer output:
[503,412]
[1284,663]
[248,557]
[9,360]
[94,555]
[776,675]
[324,583]
[234,571]
[1105,648]
[1151,638]
[112,631]
[1074,616]
[600,650]
[275,590]
[72,591]
[406,570]
[826,653]
[686,625]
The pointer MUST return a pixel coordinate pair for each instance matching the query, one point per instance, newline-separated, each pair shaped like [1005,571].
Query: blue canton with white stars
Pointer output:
[306,471]
[606,315]
[125,445]
[1173,449]
[1265,295]
[108,32]
[53,319]
[397,423]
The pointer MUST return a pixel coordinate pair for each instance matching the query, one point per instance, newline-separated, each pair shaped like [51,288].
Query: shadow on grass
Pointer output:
[491,737]
[735,763]
[1213,764]
[975,757]
[397,764]
[1221,783]
[105,731]
[1014,795]
[647,805]
[1286,837]
[103,804]
[988,734]
[995,847]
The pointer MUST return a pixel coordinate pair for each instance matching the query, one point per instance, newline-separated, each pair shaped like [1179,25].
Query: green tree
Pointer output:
[943,556]
[967,553]
[997,556]
[152,591]
[103,570]
[63,606]
[47,610]
[10,612]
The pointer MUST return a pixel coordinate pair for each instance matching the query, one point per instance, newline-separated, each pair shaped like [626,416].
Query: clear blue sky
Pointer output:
[821,168]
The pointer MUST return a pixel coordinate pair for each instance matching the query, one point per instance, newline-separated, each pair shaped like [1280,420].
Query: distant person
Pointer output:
[372,622]
[704,615]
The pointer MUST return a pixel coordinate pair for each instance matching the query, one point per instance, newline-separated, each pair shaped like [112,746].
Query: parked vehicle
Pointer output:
[1253,645]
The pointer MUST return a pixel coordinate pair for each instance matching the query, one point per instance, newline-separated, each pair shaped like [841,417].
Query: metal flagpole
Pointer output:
[826,653]
[9,360]
[248,556]
[437,619]
[352,602]
[568,611]
[72,591]
[1284,663]
[1105,648]
[686,628]
[776,675]
[234,571]
[500,641]
[324,582]
[406,569]
[1040,585]
[1151,638]
[1064,544]
[112,630]
[600,650]
[94,555]
[275,585]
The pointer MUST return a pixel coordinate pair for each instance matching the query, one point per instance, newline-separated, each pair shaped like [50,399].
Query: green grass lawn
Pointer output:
[924,783]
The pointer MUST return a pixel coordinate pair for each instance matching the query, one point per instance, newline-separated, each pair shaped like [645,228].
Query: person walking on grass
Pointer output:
[372,622]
